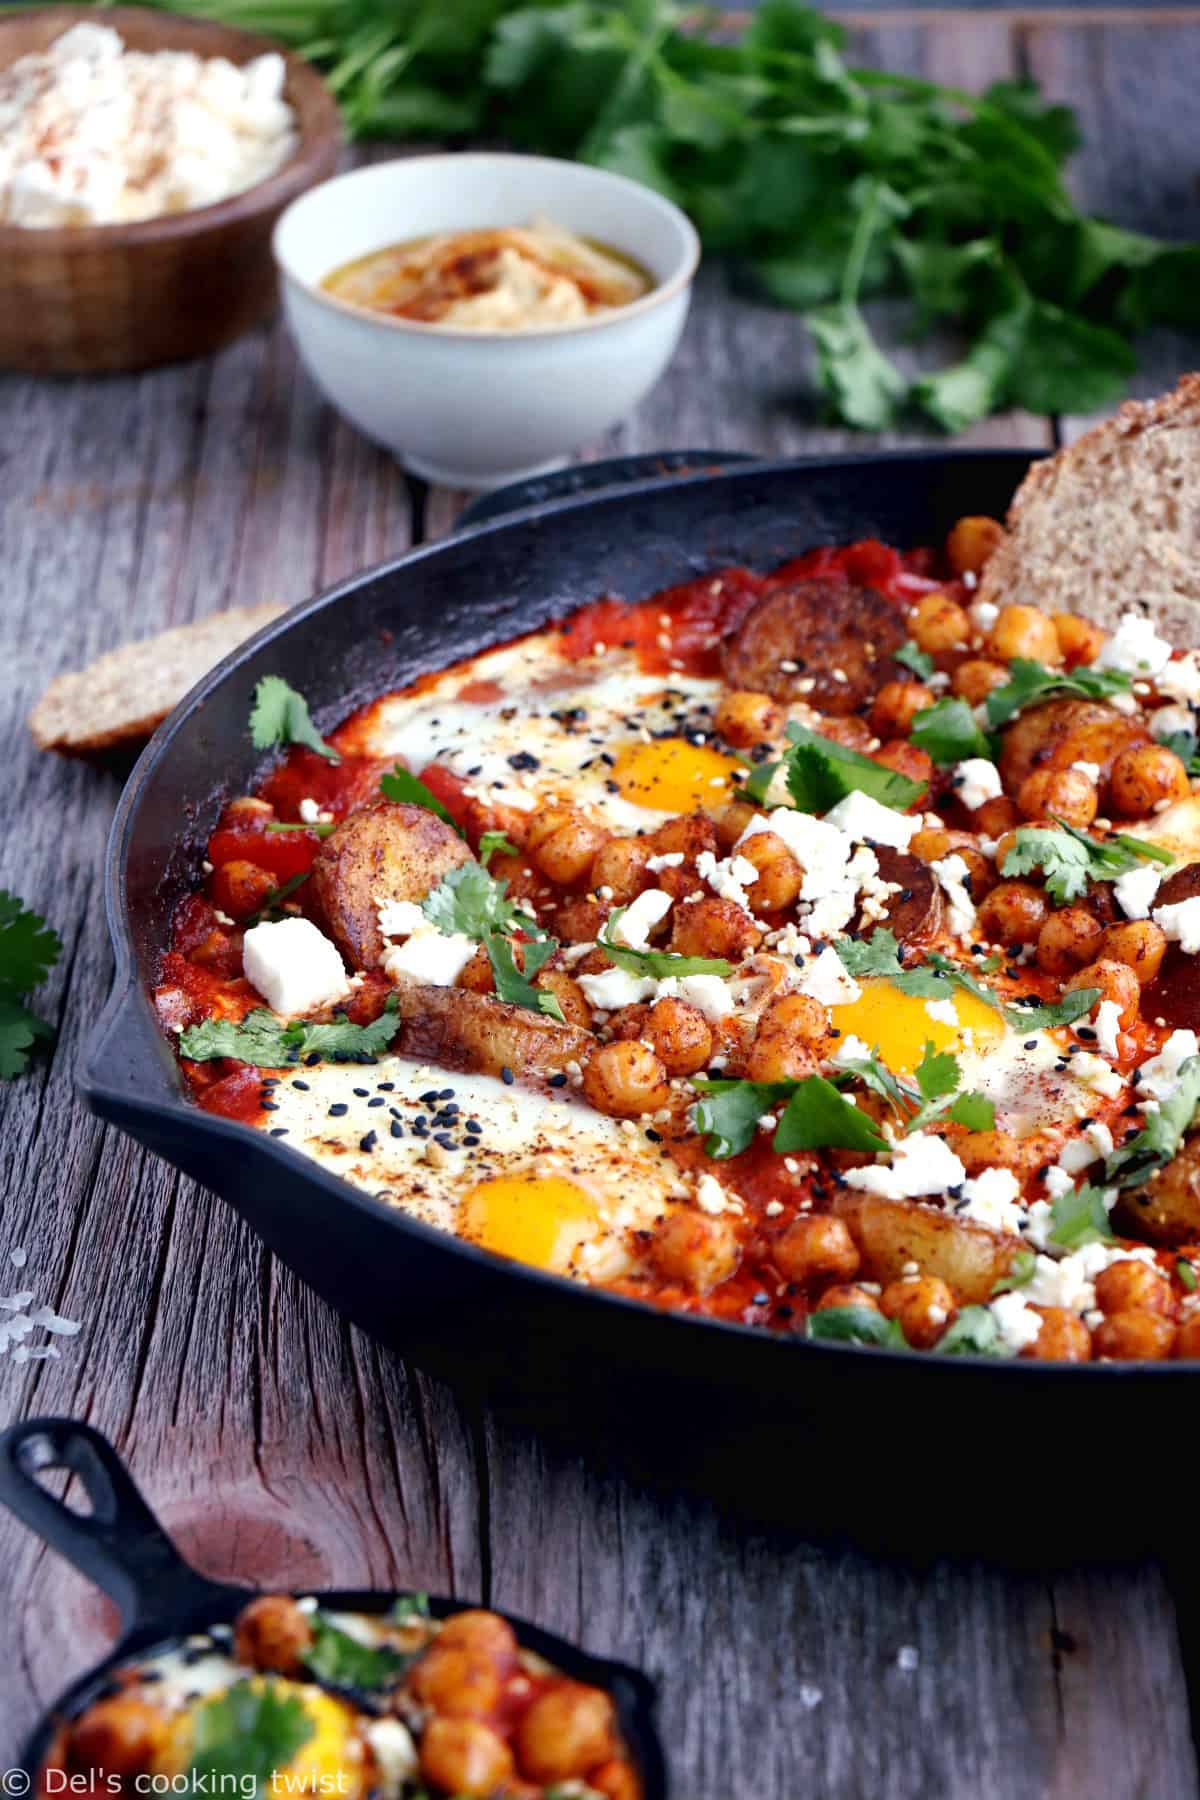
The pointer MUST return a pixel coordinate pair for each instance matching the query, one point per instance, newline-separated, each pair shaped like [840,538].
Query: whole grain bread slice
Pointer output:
[119,699]
[1113,522]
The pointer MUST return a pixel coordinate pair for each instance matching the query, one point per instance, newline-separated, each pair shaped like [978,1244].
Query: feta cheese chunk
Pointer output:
[709,994]
[1095,1073]
[1108,1019]
[1016,1322]
[921,1164]
[294,967]
[1159,1077]
[1180,680]
[865,820]
[1135,891]
[728,878]
[711,1197]
[432,956]
[396,1760]
[614,988]
[1181,923]
[400,918]
[640,917]
[827,979]
[1135,647]
[953,877]
[991,1198]
[977,780]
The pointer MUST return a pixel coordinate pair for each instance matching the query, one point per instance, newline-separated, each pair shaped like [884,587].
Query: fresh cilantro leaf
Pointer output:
[1020,1273]
[470,901]
[272,906]
[1186,1273]
[409,1607]
[246,1733]
[855,1325]
[267,1043]
[1070,860]
[914,658]
[661,964]
[728,1111]
[948,733]
[1183,743]
[968,390]
[973,1333]
[866,389]
[341,1661]
[820,773]
[1066,360]
[817,1117]
[280,716]
[1080,1217]
[401,785]
[495,843]
[29,948]
[878,954]
[758,782]
[19,1031]
[975,1112]
[1038,1017]
[875,1075]
[1160,1138]
[515,987]
[937,1073]
[318,829]
[1030,683]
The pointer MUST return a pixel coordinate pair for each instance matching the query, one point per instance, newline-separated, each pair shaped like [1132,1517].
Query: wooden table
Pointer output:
[283,1447]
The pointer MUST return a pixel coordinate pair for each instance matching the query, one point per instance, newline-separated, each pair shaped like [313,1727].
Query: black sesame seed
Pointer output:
[378,1101]
[507,1077]
[558,1080]
[387,1087]
[1030,1044]
[523,759]
[279,1131]
[474,1125]
[302,1085]
[312,1061]
[269,1106]
[338,1110]
[396,1128]
[362,1092]
[369,1142]
[1085,1031]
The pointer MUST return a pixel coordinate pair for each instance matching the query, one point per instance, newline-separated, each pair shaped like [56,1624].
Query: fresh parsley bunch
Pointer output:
[833,183]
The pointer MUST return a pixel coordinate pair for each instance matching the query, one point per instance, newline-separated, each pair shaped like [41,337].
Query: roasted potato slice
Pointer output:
[1167,1209]
[458,1029]
[892,1233]
[389,851]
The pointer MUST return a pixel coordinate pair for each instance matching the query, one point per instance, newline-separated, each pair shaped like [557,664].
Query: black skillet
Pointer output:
[893,1449]
[161,1600]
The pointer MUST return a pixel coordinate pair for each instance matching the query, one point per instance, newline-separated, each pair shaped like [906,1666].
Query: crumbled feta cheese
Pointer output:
[921,1164]
[976,781]
[728,878]
[953,878]
[432,956]
[1059,1178]
[1071,1280]
[615,988]
[671,859]
[400,918]
[1180,923]
[294,967]
[396,1760]
[943,1012]
[1080,1153]
[309,811]
[1039,1223]
[709,994]
[1108,1019]
[1016,1321]
[851,1049]
[1180,680]
[827,979]
[1135,647]
[710,1195]
[1159,1077]
[1096,1074]
[639,918]
[1135,891]
[1090,770]
[991,1198]
[1165,721]
[864,819]
[984,615]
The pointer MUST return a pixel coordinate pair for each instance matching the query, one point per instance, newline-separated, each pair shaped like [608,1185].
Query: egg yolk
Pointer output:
[671,775]
[538,1219]
[899,1025]
[329,1762]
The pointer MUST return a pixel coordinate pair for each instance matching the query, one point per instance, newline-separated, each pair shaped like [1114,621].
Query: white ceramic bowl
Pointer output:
[478,408]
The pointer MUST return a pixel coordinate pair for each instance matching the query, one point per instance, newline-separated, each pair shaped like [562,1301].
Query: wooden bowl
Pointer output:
[92,298]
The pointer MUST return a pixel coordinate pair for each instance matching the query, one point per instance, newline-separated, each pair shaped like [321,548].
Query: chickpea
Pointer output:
[846,1294]
[563,844]
[939,623]
[1139,943]
[695,1249]
[1080,640]
[484,1633]
[568,993]
[1133,1337]
[924,1306]
[565,1732]
[1116,981]
[464,1756]
[625,1079]
[974,679]
[1025,631]
[272,1633]
[1013,913]
[970,543]
[1068,940]
[1134,1287]
[680,1034]
[615,1780]
[792,1035]
[731,821]
[815,1247]
[780,876]
[745,718]
[239,888]
[580,920]
[1187,1341]
[934,844]
[1143,778]
[620,865]
[907,759]
[1063,1337]
[121,1736]
[1061,794]
[997,816]
[456,1680]
[714,927]
[896,706]
[688,835]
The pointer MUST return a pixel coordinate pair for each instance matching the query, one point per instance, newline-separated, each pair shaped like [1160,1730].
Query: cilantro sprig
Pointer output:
[820,772]
[246,1734]
[29,949]
[855,1325]
[280,716]
[936,1094]
[471,902]
[400,784]
[1080,1217]
[933,979]
[973,1333]
[1029,683]
[815,1116]
[914,658]
[1070,860]
[949,733]
[1155,1145]
[268,1043]
[339,1660]
[660,964]
[494,843]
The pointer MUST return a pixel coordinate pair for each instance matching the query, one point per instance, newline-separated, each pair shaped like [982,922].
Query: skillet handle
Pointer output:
[118,1544]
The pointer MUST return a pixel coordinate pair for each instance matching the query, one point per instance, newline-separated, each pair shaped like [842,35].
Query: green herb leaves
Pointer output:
[513,985]
[29,949]
[1080,1217]
[854,1325]
[659,964]
[341,1661]
[1133,1163]
[948,732]
[933,979]
[280,716]
[815,1116]
[820,773]
[400,785]
[246,1733]
[263,1040]
[1069,859]
[470,902]
[1030,683]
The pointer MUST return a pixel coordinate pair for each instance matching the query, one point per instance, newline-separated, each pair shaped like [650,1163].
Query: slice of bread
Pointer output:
[1113,522]
[120,698]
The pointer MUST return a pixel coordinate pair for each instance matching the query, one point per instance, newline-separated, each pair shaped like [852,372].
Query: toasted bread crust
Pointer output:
[1113,522]
[121,698]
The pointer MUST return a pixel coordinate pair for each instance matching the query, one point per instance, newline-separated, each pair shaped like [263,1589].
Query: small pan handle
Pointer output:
[119,1544]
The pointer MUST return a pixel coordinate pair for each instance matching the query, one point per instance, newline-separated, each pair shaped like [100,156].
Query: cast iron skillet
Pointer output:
[804,1433]
[122,1547]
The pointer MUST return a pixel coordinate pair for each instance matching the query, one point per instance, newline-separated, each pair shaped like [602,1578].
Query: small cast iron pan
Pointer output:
[161,1599]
